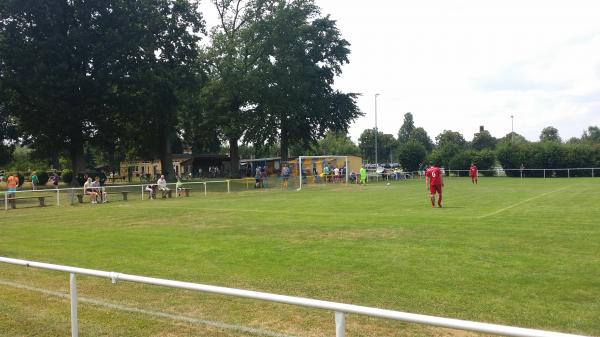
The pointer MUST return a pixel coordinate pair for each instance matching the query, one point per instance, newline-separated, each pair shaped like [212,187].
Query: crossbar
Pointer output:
[337,308]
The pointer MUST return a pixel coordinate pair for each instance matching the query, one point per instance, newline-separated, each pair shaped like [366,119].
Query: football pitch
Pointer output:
[522,252]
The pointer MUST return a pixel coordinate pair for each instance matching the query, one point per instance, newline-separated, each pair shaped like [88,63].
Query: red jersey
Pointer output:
[473,171]
[435,175]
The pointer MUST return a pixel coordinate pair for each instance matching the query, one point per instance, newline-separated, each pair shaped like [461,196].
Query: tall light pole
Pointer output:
[512,129]
[376,162]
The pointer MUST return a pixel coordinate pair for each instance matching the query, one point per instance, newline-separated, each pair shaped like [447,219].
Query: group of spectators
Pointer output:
[13,182]
[95,190]
[161,186]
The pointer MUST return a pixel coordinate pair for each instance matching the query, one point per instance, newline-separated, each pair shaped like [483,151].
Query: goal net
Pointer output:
[323,169]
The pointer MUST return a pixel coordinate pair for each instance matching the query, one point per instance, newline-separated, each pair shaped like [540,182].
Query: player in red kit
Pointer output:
[473,173]
[433,181]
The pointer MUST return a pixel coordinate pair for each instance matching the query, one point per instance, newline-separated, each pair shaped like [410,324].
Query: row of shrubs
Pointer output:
[540,155]
[549,155]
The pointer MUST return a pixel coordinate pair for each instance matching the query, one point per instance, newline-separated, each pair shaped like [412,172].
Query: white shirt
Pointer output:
[162,183]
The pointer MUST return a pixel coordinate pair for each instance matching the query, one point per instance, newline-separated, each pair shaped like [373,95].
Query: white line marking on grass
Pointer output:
[159,314]
[522,202]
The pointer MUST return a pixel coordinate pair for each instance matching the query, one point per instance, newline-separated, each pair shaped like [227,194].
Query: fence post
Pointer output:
[204,188]
[592,173]
[544,173]
[57,197]
[228,191]
[6,201]
[568,173]
[340,324]
[74,328]
[142,191]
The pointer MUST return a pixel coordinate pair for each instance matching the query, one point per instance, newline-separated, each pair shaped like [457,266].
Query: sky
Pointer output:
[461,64]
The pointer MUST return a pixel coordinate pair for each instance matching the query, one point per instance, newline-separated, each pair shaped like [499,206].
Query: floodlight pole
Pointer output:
[512,129]
[376,159]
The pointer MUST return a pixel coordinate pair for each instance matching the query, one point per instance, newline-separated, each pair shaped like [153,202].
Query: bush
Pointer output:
[411,155]
[485,161]
[43,177]
[462,161]
[549,155]
[66,176]
[21,179]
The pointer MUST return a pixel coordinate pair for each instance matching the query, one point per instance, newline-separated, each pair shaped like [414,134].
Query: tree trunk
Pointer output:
[234,157]
[166,161]
[284,144]
[77,162]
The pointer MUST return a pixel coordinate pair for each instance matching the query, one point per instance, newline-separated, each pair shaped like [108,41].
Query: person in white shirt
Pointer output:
[89,190]
[162,186]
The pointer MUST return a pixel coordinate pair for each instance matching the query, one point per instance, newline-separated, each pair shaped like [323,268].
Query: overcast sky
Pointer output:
[461,64]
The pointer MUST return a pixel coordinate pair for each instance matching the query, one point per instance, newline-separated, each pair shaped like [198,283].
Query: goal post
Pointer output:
[301,159]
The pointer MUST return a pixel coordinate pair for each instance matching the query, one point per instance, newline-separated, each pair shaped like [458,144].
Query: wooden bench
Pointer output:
[165,194]
[123,193]
[41,199]
[185,191]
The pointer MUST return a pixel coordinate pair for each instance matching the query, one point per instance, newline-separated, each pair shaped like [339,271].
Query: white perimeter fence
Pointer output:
[592,172]
[339,309]
[72,195]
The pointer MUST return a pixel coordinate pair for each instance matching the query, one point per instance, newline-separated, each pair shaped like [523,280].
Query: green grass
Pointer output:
[522,252]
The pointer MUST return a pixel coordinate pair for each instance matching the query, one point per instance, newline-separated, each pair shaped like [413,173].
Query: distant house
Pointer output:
[185,165]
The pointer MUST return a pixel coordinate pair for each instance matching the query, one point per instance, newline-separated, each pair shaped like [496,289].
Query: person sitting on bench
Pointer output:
[88,189]
[99,190]
[162,185]
[151,189]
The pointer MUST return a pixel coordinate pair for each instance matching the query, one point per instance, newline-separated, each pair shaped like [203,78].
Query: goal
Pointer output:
[307,165]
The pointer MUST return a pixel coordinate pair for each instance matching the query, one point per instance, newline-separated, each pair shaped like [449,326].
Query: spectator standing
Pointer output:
[12,182]
[55,180]
[35,181]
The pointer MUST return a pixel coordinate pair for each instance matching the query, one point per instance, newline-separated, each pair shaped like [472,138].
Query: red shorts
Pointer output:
[435,188]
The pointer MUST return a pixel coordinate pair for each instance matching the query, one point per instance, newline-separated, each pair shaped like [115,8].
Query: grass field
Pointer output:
[522,252]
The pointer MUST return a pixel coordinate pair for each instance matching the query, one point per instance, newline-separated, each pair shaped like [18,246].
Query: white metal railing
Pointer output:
[518,172]
[339,309]
[72,191]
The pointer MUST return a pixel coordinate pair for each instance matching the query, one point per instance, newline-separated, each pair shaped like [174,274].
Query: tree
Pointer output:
[299,55]
[449,144]
[336,143]
[411,155]
[550,134]
[386,145]
[592,135]
[420,136]
[483,140]
[407,128]
[76,71]
[8,136]
[512,138]
[230,60]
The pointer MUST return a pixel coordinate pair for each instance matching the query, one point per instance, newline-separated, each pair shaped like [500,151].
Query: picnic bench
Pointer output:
[41,199]
[123,193]
[186,191]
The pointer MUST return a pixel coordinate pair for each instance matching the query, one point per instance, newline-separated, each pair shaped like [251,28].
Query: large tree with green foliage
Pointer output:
[483,140]
[411,155]
[386,146]
[449,144]
[407,128]
[230,58]
[75,71]
[299,54]
[550,134]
